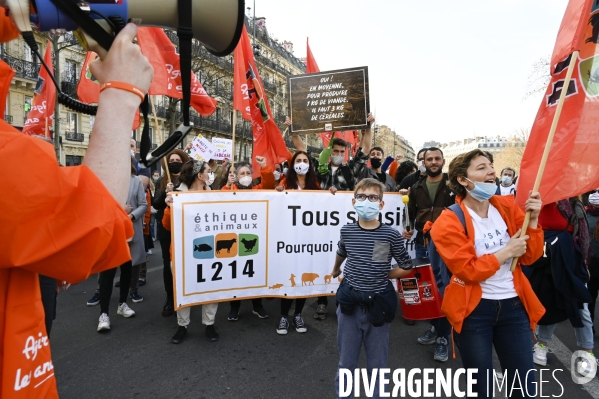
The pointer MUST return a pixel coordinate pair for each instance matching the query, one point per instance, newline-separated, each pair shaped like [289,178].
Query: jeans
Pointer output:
[48,290]
[286,306]
[352,331]
[167,274]
[106,280]
[421,251]
[502,324]
[584,335]
[442,327]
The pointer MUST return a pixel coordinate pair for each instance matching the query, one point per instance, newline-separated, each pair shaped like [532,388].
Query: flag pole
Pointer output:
[233,138]
[163,161]
[556,116]
[46,132]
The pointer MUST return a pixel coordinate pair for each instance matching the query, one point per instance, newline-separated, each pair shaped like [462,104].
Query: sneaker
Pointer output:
[141,283]
[261,313]
[179,335]
[233,314]
[211,333]
[441,350]
[117,284]
[586,366]
[168,309]
[104,322]
[298,323]
[124,310]
[94,300]
[429,337]
[539,354]
[283,326]
[321,312]
[135,297]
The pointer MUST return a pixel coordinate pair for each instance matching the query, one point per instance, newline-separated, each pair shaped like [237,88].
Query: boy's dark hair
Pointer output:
[434,149]
[458,167]
[378,149]
[367,183]
[339,141]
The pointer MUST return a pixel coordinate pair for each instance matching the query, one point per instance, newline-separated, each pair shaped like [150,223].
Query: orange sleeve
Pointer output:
[59,222]
[225,188]
[166,219]
[268,179]
[282,181]
[393,168]
[458,252]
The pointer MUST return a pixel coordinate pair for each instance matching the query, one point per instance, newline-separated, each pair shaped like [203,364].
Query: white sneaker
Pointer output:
[539,354]
[104,322]
[586,366]
[125,310]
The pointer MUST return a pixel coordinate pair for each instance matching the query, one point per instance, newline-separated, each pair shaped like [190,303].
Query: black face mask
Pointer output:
[175,167]
[376,162]
[433,174]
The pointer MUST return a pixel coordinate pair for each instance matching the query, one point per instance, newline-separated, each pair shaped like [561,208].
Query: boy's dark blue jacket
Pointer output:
[381,306]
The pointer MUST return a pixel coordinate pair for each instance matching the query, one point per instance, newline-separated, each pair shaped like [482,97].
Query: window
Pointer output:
[72,122]
[27,105]
[70,71]
[92,120]
[73,160]
[27,56]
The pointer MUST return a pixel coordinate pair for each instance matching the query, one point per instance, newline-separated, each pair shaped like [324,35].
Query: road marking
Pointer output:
[564,355]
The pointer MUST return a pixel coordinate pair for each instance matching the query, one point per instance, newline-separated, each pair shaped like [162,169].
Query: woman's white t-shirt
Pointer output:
[491,235]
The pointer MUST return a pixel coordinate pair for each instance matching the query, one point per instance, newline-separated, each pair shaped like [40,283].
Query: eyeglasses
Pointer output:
[371,198]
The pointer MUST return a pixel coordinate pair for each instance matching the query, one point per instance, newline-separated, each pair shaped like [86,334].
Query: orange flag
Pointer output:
[572,164]
[88,88]
[163,56]
[250,99]
[43,101]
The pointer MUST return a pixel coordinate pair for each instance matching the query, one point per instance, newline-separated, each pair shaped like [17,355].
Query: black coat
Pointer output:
[159,204]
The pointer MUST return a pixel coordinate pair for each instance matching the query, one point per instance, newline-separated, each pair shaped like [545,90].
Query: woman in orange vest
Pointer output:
[241,179]
[487,304]
[300,176]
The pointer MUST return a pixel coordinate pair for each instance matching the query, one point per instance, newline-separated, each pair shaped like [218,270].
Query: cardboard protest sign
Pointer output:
[329,101]
[223,147]
[250,244]
[201,149]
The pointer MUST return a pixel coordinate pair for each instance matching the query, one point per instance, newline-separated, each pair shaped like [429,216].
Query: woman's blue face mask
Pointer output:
[482,191]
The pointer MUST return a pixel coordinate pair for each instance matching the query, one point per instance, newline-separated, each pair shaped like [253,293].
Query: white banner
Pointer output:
[246,244]
[223,147]
[201,149]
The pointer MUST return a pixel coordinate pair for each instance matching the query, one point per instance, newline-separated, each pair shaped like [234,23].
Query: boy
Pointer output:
[367,299]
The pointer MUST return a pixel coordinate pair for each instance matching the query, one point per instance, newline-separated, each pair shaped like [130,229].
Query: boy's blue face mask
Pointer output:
[367,210]
[482,191]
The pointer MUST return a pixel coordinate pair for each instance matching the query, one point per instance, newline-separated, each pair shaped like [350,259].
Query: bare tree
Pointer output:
[511,155]
[539,77]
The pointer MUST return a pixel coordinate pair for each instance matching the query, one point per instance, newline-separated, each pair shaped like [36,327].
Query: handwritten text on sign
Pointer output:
[329,101]
[223,147]
[241,244]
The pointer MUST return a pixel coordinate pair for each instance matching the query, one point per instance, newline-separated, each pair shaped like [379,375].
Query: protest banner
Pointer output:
[329,101]
[239,245]
[201,149]
[223,147]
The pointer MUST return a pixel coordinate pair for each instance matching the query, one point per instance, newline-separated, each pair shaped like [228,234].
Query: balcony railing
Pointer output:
[74,136]
[8,119]
[23,69]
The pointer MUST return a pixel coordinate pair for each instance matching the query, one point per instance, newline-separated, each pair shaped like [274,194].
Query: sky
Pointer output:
[438,70]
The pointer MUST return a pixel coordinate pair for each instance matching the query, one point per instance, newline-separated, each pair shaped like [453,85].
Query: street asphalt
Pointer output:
[136,359]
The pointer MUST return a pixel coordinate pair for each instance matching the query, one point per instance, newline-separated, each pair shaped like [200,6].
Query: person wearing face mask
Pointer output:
[195,176]
[375,170]
[488,305]
[278,174]
[507,185]
[428,197]
[242,179]
[175,160]
[367,247]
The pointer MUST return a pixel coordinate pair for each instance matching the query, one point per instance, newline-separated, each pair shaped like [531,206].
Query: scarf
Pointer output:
[573,211]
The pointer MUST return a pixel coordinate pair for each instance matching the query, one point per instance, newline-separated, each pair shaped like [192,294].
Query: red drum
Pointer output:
[419,296]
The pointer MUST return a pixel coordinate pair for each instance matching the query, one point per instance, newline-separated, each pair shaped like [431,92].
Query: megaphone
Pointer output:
[217,24]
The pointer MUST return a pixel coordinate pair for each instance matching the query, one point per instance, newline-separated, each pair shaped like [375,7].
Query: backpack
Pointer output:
[440,270]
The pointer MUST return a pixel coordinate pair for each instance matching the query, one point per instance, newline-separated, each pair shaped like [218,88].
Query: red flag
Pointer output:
[572,164]
[43,101]
[249,98]
[163,56]
[88,88]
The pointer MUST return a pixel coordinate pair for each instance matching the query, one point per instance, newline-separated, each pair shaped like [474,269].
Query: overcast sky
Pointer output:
[439,70]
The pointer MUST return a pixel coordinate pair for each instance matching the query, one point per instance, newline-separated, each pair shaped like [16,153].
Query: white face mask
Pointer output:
[285,171]
[301,168]
[133,153]
[506,180]
[421,167]
[337,159]
[277,174]
[245,181]
[210,178]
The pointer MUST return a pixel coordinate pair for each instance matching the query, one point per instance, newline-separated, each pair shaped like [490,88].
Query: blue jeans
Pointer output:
[421,251]
[354,330]
[502,324]
[442,327]
[584,335]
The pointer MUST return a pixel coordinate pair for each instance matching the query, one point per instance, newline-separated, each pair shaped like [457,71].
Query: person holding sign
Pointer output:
[302,176]
[367,299]
[242,180]
[195,176]
[488,305]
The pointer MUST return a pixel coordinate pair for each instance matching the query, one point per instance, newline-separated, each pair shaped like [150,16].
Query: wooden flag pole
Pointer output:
[556,116]
[233,138]
[164,163]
